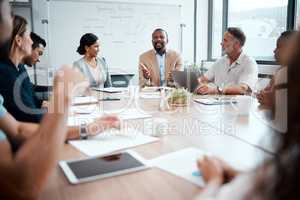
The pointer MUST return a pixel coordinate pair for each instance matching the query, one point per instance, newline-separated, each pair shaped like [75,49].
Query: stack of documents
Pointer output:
[111,141]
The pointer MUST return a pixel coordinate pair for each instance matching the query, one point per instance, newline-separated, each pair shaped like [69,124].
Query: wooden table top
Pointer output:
[244,142]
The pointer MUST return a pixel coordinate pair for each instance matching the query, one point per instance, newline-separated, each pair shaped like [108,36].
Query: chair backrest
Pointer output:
[121,80]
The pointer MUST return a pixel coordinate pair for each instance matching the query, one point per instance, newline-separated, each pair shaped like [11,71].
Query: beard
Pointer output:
[159,48]
[227,50]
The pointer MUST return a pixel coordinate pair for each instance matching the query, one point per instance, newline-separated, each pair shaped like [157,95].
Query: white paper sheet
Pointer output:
[84,100]
[181,163]
[87,114]
[111,141]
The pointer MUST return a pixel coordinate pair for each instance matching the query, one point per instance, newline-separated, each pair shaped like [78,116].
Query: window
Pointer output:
[298,15]
[262,21]
[217,28]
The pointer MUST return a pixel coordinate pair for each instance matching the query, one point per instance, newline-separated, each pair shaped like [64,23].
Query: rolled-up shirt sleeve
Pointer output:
[249,76]
[210,74]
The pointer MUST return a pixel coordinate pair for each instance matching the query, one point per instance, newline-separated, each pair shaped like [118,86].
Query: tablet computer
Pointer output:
[94,168]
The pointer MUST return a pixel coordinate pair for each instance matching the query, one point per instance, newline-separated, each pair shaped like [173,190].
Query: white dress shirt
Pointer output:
[243,71]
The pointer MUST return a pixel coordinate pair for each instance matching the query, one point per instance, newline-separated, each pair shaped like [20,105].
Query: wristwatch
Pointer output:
[83,132]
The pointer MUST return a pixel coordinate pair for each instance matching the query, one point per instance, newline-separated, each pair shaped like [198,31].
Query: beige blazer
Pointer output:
[148,59]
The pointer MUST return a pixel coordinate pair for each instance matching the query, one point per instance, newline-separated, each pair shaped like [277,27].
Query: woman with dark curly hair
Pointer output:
[93,67]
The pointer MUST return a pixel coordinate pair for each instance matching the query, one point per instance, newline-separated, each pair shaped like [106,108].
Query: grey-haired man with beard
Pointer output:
[235,73]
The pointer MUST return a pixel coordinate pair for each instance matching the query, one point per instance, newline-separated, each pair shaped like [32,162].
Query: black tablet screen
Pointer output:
[103,165]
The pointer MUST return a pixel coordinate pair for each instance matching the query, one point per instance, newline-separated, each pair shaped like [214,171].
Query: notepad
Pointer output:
[181,163]
[111,141]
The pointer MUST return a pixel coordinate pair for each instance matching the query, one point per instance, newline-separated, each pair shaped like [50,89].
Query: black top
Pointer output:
[17,91]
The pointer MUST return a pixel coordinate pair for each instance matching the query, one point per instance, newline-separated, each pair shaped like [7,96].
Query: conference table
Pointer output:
[242,141]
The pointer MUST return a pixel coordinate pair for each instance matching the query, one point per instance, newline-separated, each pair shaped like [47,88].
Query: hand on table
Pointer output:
[216,170]
[266,98]
[206,89]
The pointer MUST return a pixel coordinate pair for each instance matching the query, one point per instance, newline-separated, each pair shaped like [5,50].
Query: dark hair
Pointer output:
[284,178]
[19,28]
[1,4]
[286,35]
[237,34]
[87,39]
[287,166]
[161,30]
[37,40]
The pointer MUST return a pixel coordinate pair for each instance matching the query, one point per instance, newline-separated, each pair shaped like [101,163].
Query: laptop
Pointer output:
[186,79]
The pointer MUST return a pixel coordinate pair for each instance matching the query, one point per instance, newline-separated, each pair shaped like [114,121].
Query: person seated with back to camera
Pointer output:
[25,172]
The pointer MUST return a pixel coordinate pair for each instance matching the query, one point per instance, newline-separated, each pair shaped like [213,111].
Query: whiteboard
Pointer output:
[23,11]
[124,30]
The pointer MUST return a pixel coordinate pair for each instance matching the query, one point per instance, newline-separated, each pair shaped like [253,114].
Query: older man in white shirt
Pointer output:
[234,73]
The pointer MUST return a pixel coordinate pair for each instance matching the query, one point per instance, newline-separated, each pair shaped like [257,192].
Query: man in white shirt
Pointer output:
[235,73]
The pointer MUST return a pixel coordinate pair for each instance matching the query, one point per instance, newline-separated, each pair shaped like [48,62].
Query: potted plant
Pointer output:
[178,97]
